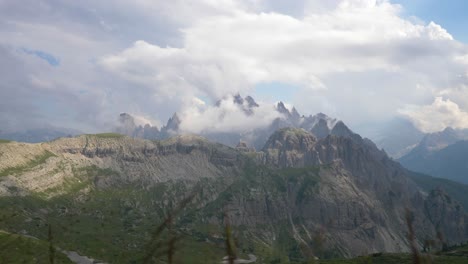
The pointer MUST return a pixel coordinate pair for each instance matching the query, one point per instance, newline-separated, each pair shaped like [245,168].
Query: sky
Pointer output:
[79,64]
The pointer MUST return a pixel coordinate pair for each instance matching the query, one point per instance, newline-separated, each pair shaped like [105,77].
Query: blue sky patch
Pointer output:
[450,14]
[273,91]
[53,61]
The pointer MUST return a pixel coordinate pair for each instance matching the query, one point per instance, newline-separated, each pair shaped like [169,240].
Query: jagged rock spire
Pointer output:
[173,123]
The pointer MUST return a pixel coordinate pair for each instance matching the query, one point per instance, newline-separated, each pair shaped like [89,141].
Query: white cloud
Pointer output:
[142,120]
[437,116]
[359,60]
[331,47]
[227,116]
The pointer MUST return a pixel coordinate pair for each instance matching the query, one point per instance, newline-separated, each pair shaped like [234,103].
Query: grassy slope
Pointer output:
[399,259]
[107,135]
[456,190]
[115,224]
[40,159]
[20,249]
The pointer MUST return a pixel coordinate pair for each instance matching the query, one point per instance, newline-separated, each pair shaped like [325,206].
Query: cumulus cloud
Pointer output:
[358,60]
[437,116]
[342,54]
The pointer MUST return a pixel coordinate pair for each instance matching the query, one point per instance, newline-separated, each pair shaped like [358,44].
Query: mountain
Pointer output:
[127,126]
[450,162]
[398,137]
[37,135]
[441,154]
[456,190]
[320,125]
[298,196]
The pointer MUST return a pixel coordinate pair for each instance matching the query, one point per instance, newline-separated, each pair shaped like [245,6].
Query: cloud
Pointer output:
[349,56]
[226,116]
[358,60]
[53,61]
[437,116]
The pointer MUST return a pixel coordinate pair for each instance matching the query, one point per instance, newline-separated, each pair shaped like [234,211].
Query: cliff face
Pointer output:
[366,190]
[446,215]
[338,195]
[41,167]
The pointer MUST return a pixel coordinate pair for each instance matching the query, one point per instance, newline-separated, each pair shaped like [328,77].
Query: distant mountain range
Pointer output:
[320,125]
[299,195]
[398,137]
[36,135]
[442,154]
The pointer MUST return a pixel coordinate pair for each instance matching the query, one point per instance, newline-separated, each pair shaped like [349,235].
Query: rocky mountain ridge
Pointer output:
[441,154]
[320,124]
[341,188]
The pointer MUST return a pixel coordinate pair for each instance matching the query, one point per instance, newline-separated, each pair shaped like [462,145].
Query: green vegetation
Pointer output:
[38,160]
[114,221]
[107,135]
[20,249]
[399,259]
[3,141]
[456,190]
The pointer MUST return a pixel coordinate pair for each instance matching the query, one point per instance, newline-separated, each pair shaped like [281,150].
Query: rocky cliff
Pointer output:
[335,196]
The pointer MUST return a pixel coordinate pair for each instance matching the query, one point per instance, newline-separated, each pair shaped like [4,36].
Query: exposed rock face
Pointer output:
[340,188]
[321,123]
[134,160]
[173,123]
[288,147]
[243,147]
[321,129]
[446,215]
[251,102]
[361,170]
[127,124]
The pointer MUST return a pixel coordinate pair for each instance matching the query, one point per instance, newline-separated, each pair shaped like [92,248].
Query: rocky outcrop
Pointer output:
[133,160]
[289,147]
[321,129]
[368,173]
[321,124]
[447,216]
[243,147]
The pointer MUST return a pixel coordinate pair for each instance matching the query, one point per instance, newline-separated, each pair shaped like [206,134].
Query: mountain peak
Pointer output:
[290,138]
[449,131]
[340,129]
[280,107]
[238,99]
[295,114]
[321,115]
[321,129]
[173,123]
[126,124]
[126,118]
[439,140]
[251,102]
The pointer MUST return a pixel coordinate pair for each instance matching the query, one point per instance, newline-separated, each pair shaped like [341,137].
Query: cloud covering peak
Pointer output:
[341,57]
[228,115]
